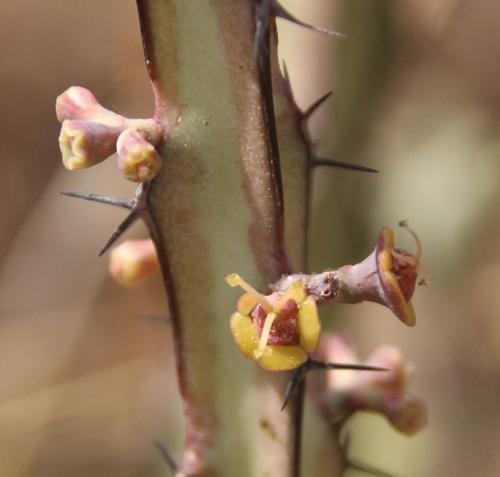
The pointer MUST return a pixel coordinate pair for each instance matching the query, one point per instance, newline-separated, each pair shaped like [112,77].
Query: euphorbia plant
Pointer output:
[223,170]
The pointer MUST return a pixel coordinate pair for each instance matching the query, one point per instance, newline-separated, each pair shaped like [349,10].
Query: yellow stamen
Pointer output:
[235,280]
[266,330]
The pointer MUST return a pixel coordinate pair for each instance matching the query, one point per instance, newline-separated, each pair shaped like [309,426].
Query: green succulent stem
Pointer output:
[217,207]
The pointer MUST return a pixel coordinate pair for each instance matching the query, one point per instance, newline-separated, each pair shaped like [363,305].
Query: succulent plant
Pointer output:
[223,169]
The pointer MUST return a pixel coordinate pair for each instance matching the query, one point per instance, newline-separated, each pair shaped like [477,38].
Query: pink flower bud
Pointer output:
[349,391]
[85,143]
[137,158]
[406,413]
[133,261]
[75,103]
[79,103]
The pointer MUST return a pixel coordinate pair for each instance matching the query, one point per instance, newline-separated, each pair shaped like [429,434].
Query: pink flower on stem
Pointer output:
[387,276]
[91,133]
[346,392]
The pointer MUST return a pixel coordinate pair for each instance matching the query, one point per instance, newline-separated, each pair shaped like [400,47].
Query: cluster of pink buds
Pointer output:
[91,133]
[346,392]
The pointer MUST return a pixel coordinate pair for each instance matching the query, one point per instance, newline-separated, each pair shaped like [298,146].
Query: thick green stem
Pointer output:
[216,208]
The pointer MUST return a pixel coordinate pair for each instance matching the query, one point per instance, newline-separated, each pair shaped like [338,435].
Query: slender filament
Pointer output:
[266,330]
[235,280]
[418,253]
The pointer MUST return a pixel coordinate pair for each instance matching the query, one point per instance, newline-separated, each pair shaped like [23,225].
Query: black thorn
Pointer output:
[299,374]
[314,106]
[356,367]
[103,199]
[297,377]
[368,469]
[167,456]
[318,162]
[280,12]
[129,220]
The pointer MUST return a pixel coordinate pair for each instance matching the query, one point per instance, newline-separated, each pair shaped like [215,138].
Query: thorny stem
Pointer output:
[226,105]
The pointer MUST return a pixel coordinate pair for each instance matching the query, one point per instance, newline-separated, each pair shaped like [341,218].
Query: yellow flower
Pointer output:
[277,331]
[397,271]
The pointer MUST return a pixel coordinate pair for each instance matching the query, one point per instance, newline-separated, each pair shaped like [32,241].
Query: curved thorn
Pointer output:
[356,367]
[297,377]
[129,220]
[318,162]
[280,12]
[314,106]
[167,457]
[367,469]
[103,199]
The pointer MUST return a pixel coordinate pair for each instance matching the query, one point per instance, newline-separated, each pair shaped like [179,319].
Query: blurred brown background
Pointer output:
[87,384]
